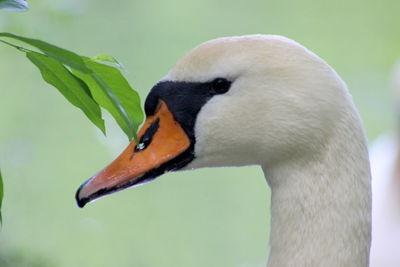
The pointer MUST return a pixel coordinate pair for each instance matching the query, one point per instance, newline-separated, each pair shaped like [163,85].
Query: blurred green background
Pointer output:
[211,217]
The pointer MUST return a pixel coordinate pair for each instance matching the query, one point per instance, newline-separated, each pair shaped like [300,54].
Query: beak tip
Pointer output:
[81,202]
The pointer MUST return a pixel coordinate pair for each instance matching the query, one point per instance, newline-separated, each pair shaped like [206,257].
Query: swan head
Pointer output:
[233,101]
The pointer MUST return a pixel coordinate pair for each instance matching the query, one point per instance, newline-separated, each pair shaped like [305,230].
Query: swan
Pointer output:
[261,100]
[385,169]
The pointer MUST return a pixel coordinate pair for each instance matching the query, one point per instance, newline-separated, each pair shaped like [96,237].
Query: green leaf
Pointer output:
[60,54]
[1,195]
[104,58]
[111,90]
[103,83]
[71,87]
[14,5]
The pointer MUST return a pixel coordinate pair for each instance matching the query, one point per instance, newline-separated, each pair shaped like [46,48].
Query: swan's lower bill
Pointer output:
[163,146]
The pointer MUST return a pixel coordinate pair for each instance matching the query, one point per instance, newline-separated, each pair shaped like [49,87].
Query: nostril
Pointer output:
[144,142]
[141,146]
[147,137]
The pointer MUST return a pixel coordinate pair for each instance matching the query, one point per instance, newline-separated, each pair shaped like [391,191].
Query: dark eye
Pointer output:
[220,86]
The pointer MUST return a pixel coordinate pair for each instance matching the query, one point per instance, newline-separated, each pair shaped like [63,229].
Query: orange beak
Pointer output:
[163,146]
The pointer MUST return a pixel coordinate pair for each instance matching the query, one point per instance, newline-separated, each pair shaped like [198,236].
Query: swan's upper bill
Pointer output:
[265,100]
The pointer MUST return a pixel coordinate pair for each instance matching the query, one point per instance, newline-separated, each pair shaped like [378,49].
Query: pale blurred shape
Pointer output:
[385,168]
[17,152]
[14,5]
[91,225]
[385,250]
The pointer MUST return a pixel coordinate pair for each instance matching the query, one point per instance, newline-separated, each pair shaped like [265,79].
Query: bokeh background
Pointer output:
[210,217]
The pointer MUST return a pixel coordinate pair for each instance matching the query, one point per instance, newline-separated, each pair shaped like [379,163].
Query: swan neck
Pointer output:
[321,206]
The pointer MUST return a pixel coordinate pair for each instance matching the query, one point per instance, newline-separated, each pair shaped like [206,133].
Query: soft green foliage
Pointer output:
[111,90]
[72,88]
[105,83]
[18,258]
[14,5]
[86,84]
[64,56]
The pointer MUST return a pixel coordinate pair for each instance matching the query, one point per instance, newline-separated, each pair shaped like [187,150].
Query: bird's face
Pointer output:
[229,102]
